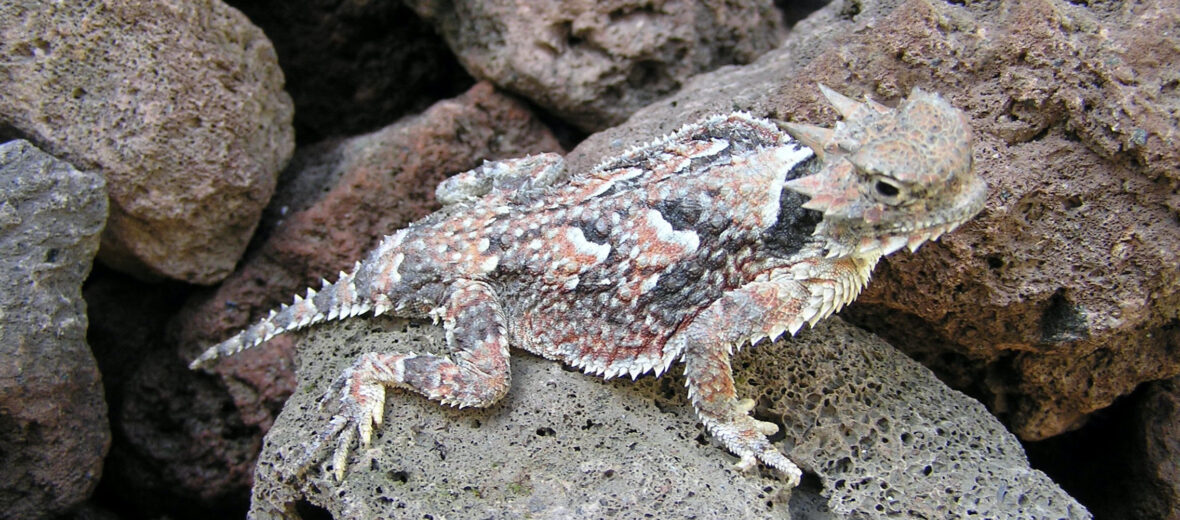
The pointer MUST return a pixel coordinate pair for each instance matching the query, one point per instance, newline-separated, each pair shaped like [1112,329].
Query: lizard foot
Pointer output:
[357,402]
[746,438]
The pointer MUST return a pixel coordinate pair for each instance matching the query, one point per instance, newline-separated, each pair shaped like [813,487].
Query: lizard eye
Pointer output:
[888,190]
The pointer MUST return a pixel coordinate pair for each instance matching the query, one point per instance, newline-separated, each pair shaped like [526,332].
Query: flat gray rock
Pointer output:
[53,420]
[883,435]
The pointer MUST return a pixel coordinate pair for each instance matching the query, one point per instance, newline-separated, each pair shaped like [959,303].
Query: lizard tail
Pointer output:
[333,301]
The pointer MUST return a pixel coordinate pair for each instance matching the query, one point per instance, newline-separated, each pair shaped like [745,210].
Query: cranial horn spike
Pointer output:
[846,106]
[809,185]
[814,137]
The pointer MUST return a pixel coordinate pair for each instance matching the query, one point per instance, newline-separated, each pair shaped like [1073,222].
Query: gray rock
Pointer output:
[559,445]
[595,63]
[179,105]
[53,420]
[885,437]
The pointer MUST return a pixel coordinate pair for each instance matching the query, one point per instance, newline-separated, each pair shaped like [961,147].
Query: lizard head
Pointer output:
[889,177]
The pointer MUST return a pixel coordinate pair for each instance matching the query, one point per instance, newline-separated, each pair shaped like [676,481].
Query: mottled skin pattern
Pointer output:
[724,233]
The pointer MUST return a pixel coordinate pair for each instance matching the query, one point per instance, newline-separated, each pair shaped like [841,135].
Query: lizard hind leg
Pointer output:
[475,374]
[753,311]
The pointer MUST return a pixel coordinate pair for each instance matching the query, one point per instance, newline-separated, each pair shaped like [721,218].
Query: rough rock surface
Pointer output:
[53,421]
[335,201]
[179,104]
[885,437]
[1070,272]
[354,67]
[594,63]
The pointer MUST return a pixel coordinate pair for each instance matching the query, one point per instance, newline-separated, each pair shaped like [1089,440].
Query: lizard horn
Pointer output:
[845,105]
[814,137]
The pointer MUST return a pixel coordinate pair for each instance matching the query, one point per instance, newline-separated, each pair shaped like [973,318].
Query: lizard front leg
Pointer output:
[476,374]
[751,312]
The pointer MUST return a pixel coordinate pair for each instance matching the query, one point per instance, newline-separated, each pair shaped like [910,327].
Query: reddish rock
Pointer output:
[179,104]
[594,63]
[53,420]
[1059,297]
[337,200]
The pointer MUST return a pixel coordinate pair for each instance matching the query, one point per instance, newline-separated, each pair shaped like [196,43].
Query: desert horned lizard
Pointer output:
[726,232]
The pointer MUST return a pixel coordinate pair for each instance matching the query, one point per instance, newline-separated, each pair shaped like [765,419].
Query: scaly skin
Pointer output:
[727,232]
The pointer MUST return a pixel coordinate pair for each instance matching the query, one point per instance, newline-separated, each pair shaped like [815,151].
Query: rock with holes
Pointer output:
[887,439]
[882,434]
[561,445]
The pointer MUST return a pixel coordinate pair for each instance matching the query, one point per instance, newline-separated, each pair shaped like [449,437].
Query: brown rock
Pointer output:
[53,420]
[594,63]
[178,103]
[336,201]
[1058,298]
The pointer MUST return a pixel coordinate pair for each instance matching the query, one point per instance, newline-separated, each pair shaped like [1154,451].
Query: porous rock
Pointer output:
[887,438]
[179,104]
[1061,296]
[53,420]
[335,201]
[884,436]
[594,63]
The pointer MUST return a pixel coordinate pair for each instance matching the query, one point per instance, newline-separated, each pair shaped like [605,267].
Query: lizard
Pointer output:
[727,232]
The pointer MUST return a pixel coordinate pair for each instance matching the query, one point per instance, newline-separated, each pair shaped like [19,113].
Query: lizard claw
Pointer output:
[745,437]
[752,446]
[358,407]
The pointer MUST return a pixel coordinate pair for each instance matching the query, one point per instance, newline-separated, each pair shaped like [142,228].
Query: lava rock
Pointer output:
[884,436]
